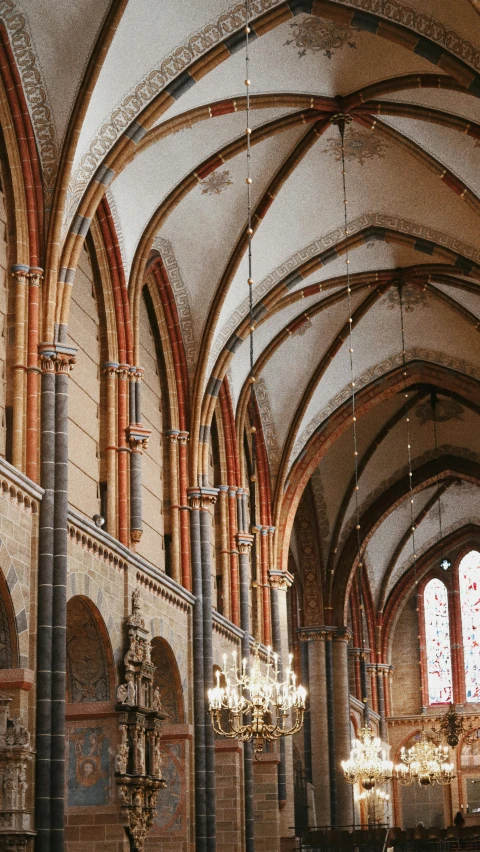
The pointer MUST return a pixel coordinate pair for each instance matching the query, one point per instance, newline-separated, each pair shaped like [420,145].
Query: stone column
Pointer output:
[64,361]
[280,582]
[317,703]
[224,550]
[267,816]
[19,272]
[198,675]
[229,771]
[244,543]
[184,509]
[44,624]
[33,371]
[341,694]
[123,451]
[138,441]
[110,371]
[172,437]
[381,699]
[208,498]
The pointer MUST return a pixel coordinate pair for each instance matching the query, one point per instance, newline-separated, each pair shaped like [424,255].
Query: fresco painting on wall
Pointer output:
[171,801]
[88,767]
[87,670]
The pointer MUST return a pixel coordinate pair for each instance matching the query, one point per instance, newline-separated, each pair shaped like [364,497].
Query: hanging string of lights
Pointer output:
[367,764]
[249,182]
[253,703]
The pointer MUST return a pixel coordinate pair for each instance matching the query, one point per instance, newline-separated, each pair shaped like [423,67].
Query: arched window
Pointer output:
[469,582]
[437,636]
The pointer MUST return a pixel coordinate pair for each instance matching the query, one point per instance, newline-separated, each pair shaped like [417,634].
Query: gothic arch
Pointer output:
[90,670]
[167,678]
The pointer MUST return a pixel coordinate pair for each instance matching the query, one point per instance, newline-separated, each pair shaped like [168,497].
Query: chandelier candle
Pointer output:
[276,706]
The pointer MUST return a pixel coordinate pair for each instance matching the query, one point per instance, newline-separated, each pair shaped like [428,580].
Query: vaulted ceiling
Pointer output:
[408,77]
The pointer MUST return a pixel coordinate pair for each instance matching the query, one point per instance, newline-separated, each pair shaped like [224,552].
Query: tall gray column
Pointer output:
[380,669]
[45,597]
[319,722]
[199,697]
[342,724]
[244,543]
[208,499]
[63,364]
[280,582]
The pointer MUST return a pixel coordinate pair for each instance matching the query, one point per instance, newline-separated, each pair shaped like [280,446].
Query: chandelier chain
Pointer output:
[435,439]
[249,225]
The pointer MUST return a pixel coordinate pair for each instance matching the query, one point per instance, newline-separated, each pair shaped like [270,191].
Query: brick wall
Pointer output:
[3,322]
[266,812]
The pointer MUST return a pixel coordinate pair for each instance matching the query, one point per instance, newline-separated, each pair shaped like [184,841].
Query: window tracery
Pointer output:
[469,583]
[437,636]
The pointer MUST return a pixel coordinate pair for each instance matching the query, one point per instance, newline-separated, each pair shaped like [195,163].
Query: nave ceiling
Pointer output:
[407,76]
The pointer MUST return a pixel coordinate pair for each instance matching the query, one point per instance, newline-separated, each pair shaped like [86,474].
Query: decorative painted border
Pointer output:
[228,23]
[182,300]
[35,92]
[382,220]
[268,425]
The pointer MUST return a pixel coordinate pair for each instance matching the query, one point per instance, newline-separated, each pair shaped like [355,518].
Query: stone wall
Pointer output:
[84,394]
[406,680]
[151,545]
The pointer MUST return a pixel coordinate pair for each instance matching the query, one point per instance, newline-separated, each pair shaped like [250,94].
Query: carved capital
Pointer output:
[123,371]
[202,498]
[35,276]
[244,542]
[137,437]
[183,437]
[280,579]
[109,368]
[64,363]
[20,273]
[135,536]
[47,362]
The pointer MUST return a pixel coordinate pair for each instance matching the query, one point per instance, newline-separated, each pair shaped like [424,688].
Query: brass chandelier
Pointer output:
[452,728]
[424,763]
[256,706]
[367,764]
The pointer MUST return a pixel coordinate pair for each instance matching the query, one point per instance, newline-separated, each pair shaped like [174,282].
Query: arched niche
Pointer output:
[90,672]
[167,678]
[8,633]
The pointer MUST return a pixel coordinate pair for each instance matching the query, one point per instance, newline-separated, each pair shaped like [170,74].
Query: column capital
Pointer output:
[34,276]
[244,542]
[322,632]
[137,437]
[123,371]
[109,368]
[57,358]
[183,437]
[20,272]
[202,498]
[281,580]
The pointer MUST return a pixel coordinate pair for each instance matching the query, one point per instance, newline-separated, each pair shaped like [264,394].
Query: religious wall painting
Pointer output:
[88,672]
[412,297]
[171,816]
[89,772]
[313,34]
[167,680]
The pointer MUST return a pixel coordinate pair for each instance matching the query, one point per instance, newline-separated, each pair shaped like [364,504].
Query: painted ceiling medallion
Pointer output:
[445,409]
[303,328]
[412,298]
[360,145]
[313,34]
[215,183]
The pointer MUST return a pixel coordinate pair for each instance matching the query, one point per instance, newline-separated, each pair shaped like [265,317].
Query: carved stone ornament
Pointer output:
[15,754]
[138,771]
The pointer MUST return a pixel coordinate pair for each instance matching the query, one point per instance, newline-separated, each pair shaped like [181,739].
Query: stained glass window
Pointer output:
[469,578]
[437,634]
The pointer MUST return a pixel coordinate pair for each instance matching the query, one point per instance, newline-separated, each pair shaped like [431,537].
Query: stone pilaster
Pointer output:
[267,816]
[317,699]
